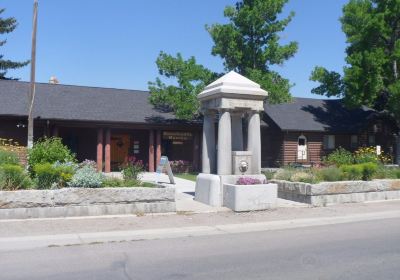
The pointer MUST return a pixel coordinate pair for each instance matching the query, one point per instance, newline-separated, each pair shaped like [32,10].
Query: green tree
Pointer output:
[371,76]
[191,78]
[7,25]
[248,44]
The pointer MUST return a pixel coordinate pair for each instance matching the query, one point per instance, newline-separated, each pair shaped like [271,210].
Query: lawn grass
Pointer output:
[187,176]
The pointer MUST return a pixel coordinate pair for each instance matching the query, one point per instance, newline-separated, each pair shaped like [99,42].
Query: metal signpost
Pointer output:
[164,163]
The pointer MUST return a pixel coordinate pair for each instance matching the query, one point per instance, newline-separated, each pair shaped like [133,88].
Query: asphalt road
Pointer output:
[363,250]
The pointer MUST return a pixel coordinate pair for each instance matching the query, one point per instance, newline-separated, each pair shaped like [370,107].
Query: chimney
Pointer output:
[53,80]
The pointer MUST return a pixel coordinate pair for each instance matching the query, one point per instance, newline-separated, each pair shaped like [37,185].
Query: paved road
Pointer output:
[363,250]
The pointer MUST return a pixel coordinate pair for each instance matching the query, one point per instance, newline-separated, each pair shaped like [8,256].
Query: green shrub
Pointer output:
[47,176]
[366,154]
[113,183]
[269,174]
[86,177]
[132,169]
[339,157]
[362,171]
[368,170]
[304,177]
[352,172]
[49,150]
[8,157]
[285,174]
[119,183]
[330,174]
[14,177]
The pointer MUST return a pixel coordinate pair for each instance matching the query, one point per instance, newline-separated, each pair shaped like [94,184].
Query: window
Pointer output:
[377,127]
[302,148]
[354,141]
[371,140]
[329,142]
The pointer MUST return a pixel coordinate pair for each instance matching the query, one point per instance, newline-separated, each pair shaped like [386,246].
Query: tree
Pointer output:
[371,76]
[190,76]
[248,44]
[8,25]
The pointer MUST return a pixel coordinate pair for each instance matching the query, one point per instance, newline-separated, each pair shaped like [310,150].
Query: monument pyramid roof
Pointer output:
[233,85]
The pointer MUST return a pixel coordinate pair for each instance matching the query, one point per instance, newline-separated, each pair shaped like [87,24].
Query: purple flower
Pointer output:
[248,181]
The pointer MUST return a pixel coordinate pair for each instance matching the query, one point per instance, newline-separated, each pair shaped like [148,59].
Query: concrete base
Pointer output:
[209,187]
[250,197]
[92,210]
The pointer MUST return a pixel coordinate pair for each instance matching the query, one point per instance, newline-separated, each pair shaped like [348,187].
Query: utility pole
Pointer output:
[32,90]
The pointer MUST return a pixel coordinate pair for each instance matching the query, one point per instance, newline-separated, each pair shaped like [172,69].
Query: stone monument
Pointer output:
[233,102]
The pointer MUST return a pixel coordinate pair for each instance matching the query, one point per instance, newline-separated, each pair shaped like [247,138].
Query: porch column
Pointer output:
[55,131]
[151,151]
[196,148]
[224,161]
[158,147]
[237,132]
[208,150]
[100,140]
[254,142]
[107,165]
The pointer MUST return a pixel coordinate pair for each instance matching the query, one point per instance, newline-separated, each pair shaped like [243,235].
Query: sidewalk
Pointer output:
[109,224]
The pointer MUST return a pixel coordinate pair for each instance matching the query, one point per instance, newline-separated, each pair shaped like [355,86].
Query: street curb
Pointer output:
[43,241]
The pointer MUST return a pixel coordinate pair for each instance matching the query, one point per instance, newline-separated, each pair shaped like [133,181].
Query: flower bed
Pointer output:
[181,166]
[249,194]
[250,197]
[53,166]
[326,193]
[85,202]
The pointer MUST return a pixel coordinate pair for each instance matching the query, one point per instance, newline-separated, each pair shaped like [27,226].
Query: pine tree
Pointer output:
[248,43]
[8,25]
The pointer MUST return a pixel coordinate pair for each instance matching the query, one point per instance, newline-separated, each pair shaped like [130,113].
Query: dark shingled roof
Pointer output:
[79,103]
[306,114]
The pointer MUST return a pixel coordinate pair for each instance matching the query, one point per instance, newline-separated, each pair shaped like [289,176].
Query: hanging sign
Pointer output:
[164,163]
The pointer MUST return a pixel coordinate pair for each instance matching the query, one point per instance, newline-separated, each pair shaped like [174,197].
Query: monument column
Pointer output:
[237,132]
[254,141]
[224,162]
[208,150]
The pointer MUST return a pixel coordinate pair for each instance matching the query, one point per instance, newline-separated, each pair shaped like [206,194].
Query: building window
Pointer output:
[302,148]
[377,128]
[329,142]
[354,141]
[371,140]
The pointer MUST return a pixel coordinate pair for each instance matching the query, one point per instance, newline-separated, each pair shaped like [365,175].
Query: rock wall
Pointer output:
[326,193]
[84,201]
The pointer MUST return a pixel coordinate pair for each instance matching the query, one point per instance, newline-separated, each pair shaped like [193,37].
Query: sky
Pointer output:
[114,43]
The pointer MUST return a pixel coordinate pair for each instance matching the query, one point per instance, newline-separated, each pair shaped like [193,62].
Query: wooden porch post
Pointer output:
[55,131]
[100,140]
[158,147]
[107,166]
[151,151]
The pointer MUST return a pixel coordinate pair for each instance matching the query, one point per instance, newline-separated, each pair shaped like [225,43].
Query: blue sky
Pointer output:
[115,43]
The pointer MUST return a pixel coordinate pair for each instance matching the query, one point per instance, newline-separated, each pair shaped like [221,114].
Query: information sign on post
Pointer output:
[164,163]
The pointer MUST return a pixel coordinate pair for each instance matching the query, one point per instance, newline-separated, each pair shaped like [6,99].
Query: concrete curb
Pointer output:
[43,241]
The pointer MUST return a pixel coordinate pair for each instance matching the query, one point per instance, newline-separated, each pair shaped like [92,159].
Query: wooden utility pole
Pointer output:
[33,70]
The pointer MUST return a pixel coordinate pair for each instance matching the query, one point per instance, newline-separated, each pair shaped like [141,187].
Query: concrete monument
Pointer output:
[232,101]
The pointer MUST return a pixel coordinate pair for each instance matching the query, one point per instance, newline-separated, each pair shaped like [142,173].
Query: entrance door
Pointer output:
[119,150]
[302,148]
